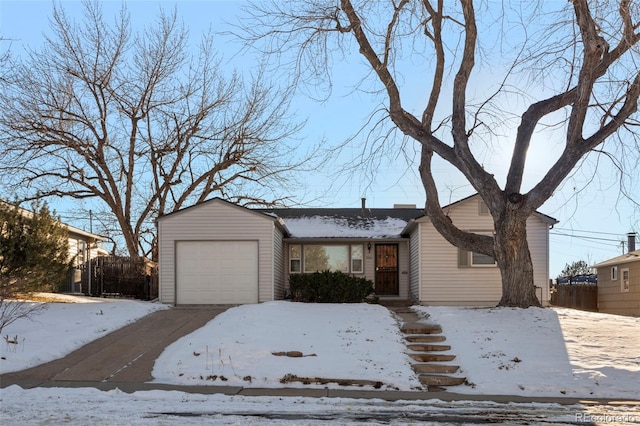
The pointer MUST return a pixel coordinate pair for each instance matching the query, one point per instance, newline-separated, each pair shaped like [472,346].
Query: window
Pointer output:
[472,259]
[483,210]
[614,273]
[321,257]
[357,258]
[325,257]
[624,282]
[295,258]
[479,259]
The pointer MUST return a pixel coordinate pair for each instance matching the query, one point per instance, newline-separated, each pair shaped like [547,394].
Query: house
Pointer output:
[220,253]
[619,282]
[83,246]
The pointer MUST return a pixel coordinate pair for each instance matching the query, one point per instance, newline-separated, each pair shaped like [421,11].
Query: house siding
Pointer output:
[611,299]
[538,238]
[444,282]
[404,269]
[278,264]
[82,249]
[414,264]
[215,220]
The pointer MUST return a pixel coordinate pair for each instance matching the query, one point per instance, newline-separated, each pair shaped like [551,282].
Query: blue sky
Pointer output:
[593,221]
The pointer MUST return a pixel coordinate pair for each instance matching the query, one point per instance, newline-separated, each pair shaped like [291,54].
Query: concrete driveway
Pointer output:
[125,355]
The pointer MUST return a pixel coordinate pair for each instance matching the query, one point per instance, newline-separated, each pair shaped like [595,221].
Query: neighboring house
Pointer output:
[83,246]
[619,282]
[218,252]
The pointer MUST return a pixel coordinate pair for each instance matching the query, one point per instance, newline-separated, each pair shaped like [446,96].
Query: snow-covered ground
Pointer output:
[543,352]
[337,341]
[64,326]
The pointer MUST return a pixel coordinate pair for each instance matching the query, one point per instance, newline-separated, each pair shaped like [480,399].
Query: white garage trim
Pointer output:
[216,272]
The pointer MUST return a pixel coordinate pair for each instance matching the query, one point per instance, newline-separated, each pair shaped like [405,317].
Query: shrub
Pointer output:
[329,287]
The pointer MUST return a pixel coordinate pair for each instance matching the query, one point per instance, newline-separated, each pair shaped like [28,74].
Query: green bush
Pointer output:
[34,250]
[329,287]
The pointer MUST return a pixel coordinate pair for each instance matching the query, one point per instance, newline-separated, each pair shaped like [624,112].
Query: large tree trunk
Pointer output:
[514,260]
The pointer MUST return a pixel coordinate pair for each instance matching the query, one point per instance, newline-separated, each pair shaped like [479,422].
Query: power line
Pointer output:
[582,237]
[621,235]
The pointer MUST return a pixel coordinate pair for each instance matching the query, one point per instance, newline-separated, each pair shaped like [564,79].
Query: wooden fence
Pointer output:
[117,276]
[577,296]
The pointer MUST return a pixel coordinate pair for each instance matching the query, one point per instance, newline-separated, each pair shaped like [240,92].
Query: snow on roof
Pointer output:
[343,227]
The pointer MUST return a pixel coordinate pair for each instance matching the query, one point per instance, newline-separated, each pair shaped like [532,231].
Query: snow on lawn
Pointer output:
[64,326]
[338,341]
[543,352]
[530,352]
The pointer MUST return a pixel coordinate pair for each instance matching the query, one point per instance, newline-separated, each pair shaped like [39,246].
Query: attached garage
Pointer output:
[219,253]
[216,272]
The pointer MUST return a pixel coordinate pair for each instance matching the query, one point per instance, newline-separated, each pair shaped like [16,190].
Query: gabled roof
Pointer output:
[633,256]
[346,222]
[218,200]
[315,222]
[543,217]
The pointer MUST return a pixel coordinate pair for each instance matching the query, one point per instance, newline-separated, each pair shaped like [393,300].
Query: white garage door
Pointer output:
[216,272]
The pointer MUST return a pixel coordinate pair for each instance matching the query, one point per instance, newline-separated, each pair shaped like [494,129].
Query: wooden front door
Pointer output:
[387,270]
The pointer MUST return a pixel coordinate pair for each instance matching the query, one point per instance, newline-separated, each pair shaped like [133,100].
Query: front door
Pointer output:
[387,269]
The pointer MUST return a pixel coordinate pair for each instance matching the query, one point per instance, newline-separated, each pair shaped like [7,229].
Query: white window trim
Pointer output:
[614,273]
[624,288]
[291,259]
[349,251]
[361,259]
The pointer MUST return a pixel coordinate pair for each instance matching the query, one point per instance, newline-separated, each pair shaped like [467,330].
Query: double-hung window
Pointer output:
[624,280]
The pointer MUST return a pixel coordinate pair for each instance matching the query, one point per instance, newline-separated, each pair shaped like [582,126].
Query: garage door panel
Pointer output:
[217,272]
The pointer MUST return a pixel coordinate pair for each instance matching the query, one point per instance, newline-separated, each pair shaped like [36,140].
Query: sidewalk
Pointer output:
[387,395]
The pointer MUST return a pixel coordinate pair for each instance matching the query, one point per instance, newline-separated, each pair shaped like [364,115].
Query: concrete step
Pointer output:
[435,368]
[407,317]
[425,338]
[420,328]
[439,380]
[428,348]
[402,310]
[432,357]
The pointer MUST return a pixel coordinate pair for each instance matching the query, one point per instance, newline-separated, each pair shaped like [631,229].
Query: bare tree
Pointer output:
[576,69]
[136,121]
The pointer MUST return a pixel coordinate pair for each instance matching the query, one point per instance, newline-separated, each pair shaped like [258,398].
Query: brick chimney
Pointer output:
[631,242]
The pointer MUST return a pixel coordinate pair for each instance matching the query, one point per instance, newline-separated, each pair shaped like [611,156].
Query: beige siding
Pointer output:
[538,238]
[278,264]
[197,224]
[611,299]
[414,265]
[443,282]
[404,267]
